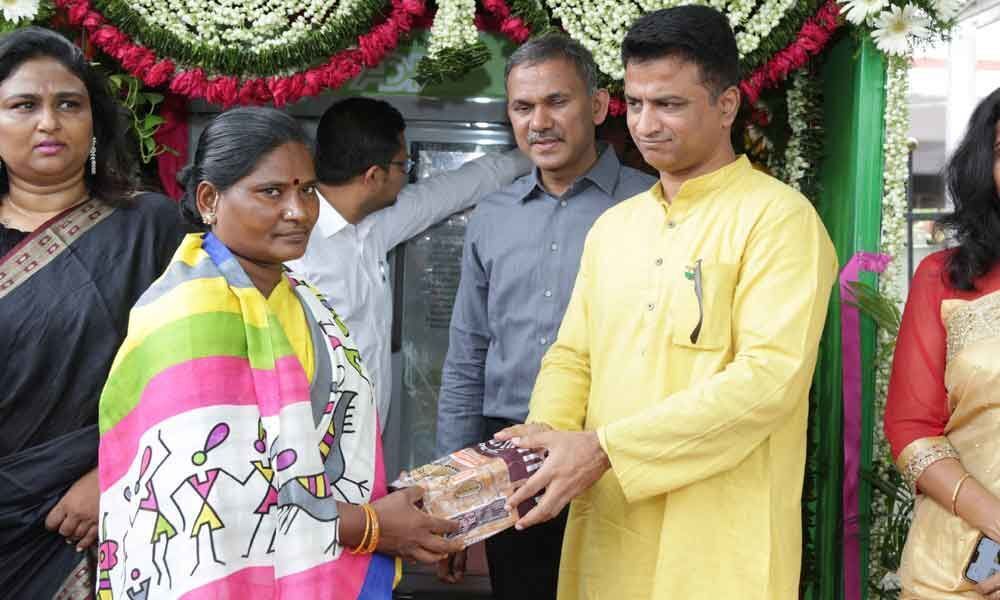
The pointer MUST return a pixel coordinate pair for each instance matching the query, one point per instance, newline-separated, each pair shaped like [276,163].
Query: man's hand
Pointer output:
[451,569]
[515,431]
[575,462]
[75,515]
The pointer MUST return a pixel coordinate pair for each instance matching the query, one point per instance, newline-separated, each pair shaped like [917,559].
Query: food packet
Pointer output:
[472,486]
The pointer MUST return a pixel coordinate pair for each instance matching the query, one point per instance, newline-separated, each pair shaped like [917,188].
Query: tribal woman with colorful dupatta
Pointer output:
[77,249]
[240,452]
[943,412]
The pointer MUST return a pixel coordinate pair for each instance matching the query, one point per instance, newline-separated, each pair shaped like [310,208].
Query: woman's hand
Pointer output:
[75,515]
[990,588]
[410,533]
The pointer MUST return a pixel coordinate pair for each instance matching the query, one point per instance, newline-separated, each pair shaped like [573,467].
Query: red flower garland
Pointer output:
[514,27]
[375,45]
[143,63]
[813,37]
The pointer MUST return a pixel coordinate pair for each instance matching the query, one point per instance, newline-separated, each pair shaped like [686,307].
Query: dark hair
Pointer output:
[355,134]
[555,46]
[231,146]
[113,182]
[695,34]
[972,187]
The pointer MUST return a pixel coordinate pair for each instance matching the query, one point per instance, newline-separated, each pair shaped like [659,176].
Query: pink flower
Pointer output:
[254,91]
[616,107]
[189,83]
[92,21]
[137,59]
[516,29]
[77,12]
[109,39]
[159,73]
[313,82]
[223,91]
[414,7]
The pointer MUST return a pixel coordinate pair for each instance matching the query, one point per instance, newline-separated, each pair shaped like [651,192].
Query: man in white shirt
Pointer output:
[365,211]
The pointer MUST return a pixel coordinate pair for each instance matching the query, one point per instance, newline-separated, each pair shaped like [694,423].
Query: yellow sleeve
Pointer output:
[778,311]
[559,398]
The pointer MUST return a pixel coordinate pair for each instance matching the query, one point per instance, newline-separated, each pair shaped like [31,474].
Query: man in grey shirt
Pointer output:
[522,252]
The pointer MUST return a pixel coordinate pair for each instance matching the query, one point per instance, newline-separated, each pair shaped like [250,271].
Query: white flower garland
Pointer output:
[258,24]
[799,107]
[454,27]
[601,25]
[893,243]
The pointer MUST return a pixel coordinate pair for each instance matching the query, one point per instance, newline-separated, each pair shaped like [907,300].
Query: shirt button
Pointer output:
[562,203]
[650,306]
[659,261]
[543,340]
[548,293]
[554,247]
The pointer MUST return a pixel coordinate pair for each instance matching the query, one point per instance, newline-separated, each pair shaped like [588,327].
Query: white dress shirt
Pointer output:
[347,263]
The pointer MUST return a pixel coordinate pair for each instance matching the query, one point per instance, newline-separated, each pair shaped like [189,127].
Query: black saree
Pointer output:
[65,294]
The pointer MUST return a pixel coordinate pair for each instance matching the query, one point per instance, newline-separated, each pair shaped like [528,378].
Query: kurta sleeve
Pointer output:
[561,391]
[779,307]
[916,410]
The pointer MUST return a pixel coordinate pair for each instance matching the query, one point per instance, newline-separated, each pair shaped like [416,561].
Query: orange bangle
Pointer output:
[359,549]
[958,488]
[376,530]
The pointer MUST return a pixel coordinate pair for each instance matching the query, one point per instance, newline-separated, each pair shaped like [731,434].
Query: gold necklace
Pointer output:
[5,221]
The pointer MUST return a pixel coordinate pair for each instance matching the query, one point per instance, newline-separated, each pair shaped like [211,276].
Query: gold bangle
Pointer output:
[359,549]
[376,530]
[958,488]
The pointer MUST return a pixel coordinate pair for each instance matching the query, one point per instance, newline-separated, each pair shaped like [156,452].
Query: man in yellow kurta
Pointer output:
[674,403]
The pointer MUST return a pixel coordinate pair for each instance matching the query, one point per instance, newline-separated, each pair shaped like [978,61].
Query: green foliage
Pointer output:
[892,511]
[451,63]
[141,106]
[870,302]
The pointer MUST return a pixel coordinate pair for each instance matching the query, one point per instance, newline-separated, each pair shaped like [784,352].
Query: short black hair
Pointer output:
[975,222]
[556,46]
[355,134]
[696,34]
[230,147]
[116,170]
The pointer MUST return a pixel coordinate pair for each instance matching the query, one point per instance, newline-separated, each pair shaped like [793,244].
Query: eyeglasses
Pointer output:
[406,165]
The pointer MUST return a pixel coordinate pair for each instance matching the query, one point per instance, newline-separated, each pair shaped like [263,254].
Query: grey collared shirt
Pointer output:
[521,256]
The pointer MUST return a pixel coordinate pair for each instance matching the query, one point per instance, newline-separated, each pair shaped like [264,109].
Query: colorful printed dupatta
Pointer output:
[220,465]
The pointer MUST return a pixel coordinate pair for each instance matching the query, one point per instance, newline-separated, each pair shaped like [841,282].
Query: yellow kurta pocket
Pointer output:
[705,323]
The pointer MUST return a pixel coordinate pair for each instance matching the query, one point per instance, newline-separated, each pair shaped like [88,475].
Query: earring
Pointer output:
[93,156]
[208,218]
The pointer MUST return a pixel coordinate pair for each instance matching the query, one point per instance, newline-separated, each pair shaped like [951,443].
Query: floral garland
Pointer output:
[454,47]
[894,241]
[226,90]
[798,166]
[243,38]
[813,36]
[762,28]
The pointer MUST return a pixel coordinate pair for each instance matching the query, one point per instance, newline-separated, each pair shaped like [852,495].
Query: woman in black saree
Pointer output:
[77,248]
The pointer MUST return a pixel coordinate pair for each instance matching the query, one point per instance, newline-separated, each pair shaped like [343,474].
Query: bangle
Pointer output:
[368,530]
[958,488]
[376,529]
